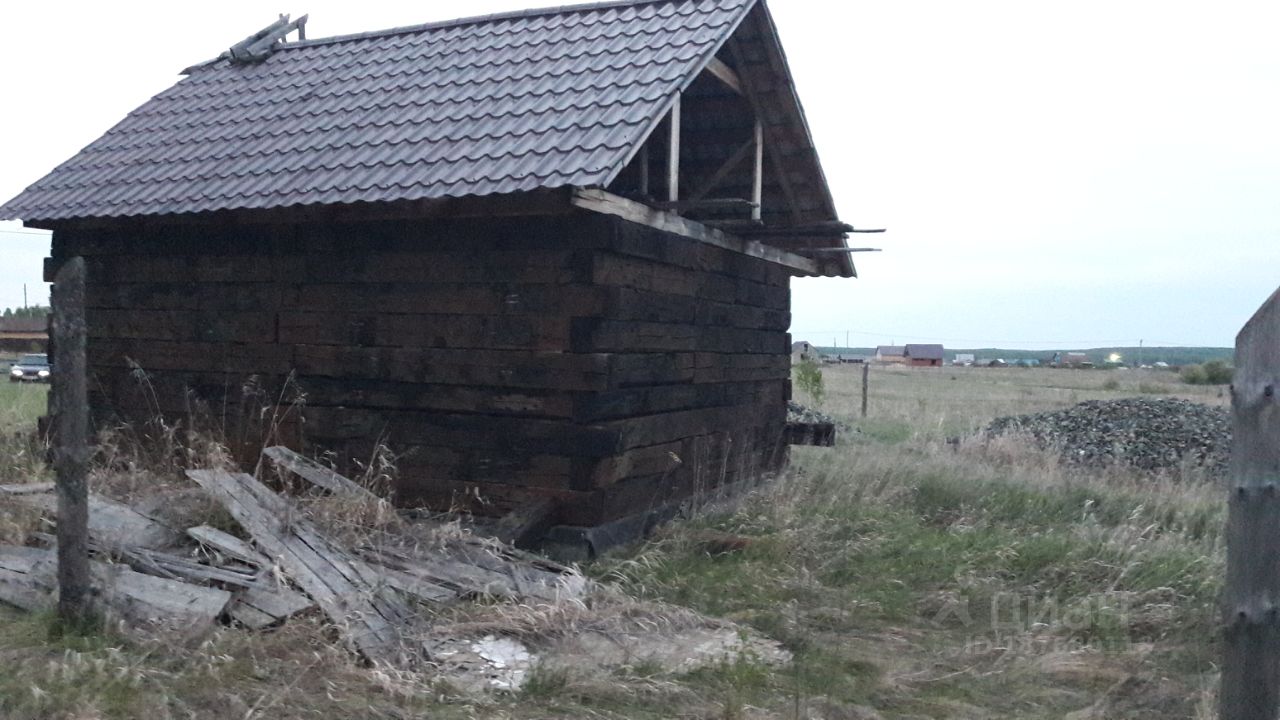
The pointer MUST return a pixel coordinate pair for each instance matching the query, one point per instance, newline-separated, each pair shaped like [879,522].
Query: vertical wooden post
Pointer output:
[673,155]
[70,409]
[757,177]
[1251,604]
[866,371]
[644,170]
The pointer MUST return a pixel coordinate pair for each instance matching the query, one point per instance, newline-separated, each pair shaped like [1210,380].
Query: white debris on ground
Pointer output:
[493,663]
[476,666]
[679,651]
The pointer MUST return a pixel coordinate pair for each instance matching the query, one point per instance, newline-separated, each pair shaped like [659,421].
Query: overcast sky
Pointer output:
[1051,174]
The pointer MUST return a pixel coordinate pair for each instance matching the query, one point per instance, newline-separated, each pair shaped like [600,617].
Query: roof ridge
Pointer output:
[473,20]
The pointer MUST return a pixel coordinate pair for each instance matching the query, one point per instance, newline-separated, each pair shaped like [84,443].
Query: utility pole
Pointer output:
[1139,354]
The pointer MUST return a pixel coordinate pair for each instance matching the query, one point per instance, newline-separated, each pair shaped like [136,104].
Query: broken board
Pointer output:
[371,621]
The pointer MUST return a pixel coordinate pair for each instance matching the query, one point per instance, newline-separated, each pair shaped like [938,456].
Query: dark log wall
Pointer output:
[581,357]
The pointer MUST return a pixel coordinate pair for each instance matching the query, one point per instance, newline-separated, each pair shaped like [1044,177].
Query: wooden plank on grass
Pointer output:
[229,545]
[261,606]
[1251,652]
[370,621]
[28,581]
[111,523]
[315,473]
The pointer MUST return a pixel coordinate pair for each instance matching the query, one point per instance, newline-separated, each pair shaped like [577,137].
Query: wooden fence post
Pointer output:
[70,405]
[1251,604]
[866,371]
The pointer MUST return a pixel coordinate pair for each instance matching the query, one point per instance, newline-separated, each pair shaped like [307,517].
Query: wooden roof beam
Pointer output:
[673,154]
[609,204]
[725,74]
[723,171]
[770,141]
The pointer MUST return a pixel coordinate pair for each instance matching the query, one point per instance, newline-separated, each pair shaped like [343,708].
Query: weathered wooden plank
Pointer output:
[409,584]
[600,335]
[495,465]
[489,332]
[166,565]
[484,432]
[440,366]
[27,580]
[229,545]
[649,271]
[261,606]
[361,392]
[112,524]
[211,357]
[609,204]
[315,473]
[144,599]
[1251,655]
[183,325]
[370,621]
[451,298]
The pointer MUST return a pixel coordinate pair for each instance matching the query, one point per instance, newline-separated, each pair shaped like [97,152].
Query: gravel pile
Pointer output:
[798,413]
[1148,433]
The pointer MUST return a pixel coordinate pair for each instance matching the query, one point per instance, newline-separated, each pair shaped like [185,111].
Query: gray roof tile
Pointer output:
[476,107]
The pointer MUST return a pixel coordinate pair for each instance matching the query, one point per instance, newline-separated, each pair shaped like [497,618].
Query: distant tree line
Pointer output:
[34,311]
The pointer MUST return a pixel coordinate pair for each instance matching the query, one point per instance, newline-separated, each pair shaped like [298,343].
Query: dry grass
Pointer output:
[908,577]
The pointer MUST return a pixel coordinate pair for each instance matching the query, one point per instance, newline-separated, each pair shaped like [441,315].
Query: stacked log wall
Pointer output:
[604,364]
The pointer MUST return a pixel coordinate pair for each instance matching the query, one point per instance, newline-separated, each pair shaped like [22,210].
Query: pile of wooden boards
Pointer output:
[146,572]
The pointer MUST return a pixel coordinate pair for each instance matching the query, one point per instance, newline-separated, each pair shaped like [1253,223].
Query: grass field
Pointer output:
[909,577]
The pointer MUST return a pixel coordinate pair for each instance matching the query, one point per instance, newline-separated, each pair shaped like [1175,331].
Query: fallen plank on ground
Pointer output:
[229,545]
[263,605]
[371,621]
[315,473]
[28,580]
[111,523]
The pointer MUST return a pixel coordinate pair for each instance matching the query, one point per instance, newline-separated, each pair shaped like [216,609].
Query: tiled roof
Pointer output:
[924,351]
[484,106]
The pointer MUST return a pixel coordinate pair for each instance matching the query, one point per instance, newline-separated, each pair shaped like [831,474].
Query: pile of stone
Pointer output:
[1147,433]
[797,413]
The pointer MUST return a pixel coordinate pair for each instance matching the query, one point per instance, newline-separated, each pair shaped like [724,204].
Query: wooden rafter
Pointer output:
[610,204]
[723,171]
[725,74]
[770,137]
[673,155]
[757,171]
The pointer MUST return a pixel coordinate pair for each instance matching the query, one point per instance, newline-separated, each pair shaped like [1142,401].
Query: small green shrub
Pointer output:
[1218,372]
[1111,384]
[1193,375]
[808,378]
[1214,372]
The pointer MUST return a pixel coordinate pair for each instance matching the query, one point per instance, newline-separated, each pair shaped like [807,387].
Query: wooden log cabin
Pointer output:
[542,257]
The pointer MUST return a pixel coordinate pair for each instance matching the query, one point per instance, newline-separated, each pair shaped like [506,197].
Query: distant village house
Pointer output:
[923,355]
[23,334]
[891,354]
[804,352]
